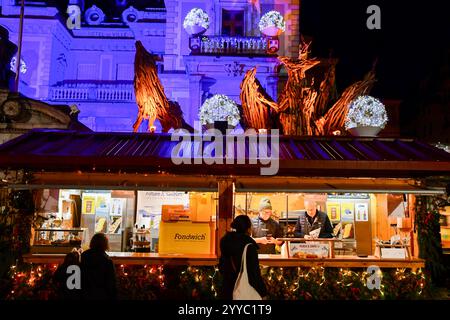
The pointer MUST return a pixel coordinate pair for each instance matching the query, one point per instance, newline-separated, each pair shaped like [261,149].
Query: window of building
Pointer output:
[87,71]
[125,71]
[233,22]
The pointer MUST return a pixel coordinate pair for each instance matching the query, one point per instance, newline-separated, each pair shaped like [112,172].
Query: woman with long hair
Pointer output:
[232,246]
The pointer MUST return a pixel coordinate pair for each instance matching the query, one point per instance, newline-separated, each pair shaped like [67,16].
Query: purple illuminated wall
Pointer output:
[92,67]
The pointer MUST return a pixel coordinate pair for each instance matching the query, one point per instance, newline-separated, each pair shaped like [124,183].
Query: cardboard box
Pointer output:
[202,206]
[179,214]
[165,214]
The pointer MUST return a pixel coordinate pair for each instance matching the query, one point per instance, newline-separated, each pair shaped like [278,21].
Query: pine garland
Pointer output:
[429,237]
[137,282]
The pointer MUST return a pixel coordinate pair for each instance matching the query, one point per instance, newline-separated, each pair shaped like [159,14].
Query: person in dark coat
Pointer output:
[311,220]
[98,276]
[265,229]
[231,247]
[60,278]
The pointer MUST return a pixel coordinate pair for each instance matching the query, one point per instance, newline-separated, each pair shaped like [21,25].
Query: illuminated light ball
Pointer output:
[196,21]
[366,111]
[23,66]
[219,108]
[272,24]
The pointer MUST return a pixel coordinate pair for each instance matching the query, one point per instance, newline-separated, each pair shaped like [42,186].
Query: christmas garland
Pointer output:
[15,225]
[429,237]
[137,282]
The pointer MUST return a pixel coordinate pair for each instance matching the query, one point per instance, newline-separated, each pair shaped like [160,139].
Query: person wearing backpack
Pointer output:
[232,246]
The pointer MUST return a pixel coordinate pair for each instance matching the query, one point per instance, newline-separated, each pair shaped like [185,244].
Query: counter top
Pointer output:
[272,260]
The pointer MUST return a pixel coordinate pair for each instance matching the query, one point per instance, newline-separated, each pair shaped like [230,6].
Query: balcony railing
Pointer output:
[81,91]
[227,45]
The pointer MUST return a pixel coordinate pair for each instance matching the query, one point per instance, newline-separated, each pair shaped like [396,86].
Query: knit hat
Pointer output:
[265,204]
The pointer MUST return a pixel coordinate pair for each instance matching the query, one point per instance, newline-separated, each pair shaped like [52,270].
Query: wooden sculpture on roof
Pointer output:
[302,107]
[334,119]
[150,97]
[296,102]
[257,105]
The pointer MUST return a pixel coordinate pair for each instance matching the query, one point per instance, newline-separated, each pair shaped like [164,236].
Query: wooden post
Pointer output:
[412,216]
[225,187]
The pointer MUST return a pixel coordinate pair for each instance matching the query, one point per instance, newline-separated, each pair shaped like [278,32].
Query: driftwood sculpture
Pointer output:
[150,97]
[257,105]
[334,119]
[296,102]
[301,107]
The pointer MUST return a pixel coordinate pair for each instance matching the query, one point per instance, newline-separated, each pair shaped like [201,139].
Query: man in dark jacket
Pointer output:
[98,277]
[231,248]
[265,230]
[311,220]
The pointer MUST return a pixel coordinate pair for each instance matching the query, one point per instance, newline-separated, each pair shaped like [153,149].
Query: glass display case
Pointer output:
[58,240]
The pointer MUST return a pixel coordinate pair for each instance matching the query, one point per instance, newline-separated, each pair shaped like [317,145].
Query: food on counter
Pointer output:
[304,255]
[300,255]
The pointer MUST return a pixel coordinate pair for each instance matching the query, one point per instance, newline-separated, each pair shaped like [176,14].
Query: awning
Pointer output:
[333,185]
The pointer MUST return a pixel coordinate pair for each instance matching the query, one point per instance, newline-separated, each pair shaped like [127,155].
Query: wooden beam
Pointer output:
[225,211]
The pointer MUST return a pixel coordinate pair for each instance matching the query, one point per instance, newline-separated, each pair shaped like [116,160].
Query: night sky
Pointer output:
[410,45]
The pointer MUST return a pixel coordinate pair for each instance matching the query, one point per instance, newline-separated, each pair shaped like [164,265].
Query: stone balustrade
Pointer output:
[93,92]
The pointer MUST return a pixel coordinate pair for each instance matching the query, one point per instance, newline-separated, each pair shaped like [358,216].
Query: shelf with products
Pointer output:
[58,240]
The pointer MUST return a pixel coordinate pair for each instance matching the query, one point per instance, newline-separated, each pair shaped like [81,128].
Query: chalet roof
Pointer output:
[344,156]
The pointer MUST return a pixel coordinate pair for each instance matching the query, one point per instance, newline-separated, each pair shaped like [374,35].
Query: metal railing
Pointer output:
[233,45]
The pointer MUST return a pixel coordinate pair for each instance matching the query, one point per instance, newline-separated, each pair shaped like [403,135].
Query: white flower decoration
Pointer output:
[23,66]
[366,111]
[272,19]
[196,17]
[219,108]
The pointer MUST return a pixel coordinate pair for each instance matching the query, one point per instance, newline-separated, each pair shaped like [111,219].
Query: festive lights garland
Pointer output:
[148,282]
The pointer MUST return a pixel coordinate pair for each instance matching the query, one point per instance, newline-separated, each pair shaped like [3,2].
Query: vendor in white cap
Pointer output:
[265,229]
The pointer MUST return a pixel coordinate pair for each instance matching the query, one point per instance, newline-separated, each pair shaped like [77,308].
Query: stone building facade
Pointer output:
[92,67]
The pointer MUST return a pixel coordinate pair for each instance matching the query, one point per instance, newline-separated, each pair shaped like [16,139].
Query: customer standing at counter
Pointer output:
[311,220]
[265,229]
[231,248]
[98,276]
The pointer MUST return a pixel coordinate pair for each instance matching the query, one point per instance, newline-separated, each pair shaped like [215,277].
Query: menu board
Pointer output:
[302,250]
[149,205]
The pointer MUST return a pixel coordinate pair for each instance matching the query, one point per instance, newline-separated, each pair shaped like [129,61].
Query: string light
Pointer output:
[307,283]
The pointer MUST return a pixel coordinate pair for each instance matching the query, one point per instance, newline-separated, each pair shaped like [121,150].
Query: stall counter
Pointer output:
[272,260]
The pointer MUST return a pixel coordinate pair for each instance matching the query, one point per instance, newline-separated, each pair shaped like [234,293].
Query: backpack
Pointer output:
[242,288]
